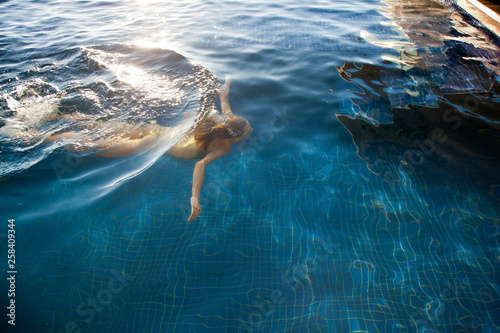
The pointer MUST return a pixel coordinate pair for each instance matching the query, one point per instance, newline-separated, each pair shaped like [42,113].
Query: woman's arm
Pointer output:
[199,176]
[223,95]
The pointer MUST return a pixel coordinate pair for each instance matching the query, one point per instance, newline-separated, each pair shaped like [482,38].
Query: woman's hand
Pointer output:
[195,208]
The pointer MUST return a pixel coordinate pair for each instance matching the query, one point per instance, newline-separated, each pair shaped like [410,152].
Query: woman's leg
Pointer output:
[118,138]
[131,147]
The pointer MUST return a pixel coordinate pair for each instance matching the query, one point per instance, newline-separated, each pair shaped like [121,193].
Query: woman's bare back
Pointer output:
[187,148]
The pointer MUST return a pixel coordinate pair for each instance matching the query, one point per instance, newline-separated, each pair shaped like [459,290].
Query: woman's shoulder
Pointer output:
[219,143]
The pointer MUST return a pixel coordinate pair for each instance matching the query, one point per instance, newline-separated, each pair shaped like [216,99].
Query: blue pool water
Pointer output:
[366,200]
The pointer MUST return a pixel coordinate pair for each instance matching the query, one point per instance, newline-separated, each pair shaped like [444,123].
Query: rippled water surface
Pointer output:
[366,199]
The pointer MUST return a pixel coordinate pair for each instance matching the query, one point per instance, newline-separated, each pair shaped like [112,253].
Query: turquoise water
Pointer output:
[366,199]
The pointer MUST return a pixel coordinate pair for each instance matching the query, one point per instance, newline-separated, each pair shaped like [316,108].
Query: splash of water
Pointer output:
[84,99]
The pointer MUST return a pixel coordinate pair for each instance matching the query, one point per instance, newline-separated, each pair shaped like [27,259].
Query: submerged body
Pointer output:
[145,138]
[187,148]
[210,140]
[191,146]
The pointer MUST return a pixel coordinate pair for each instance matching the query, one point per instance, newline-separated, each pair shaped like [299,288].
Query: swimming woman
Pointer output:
[211,139]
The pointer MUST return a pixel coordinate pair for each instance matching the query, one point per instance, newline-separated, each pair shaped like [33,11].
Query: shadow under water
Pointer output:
[433,113]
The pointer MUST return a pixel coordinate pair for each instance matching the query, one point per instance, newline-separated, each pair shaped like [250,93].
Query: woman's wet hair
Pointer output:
[210,130]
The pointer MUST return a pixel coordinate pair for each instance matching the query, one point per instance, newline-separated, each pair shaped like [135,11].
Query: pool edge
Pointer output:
[484,14]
